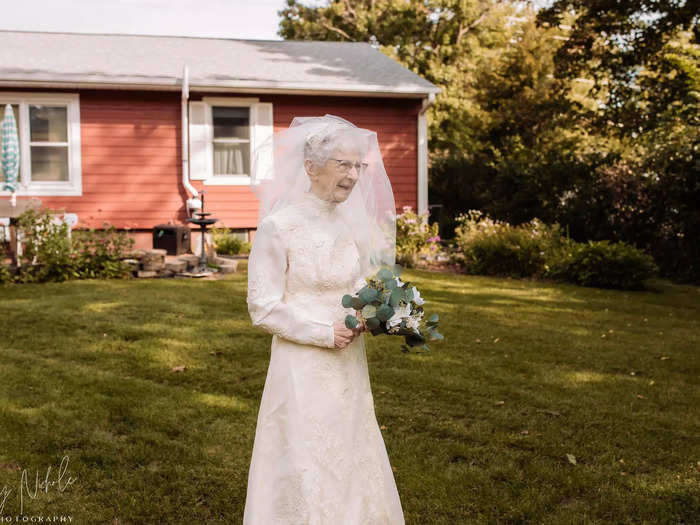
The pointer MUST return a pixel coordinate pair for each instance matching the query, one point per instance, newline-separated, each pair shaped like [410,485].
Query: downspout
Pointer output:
[423,153]
[193,202]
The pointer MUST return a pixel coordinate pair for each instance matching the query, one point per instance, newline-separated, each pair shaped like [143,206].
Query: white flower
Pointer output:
[413,323]
[398,282]
[417,298]
[400,312]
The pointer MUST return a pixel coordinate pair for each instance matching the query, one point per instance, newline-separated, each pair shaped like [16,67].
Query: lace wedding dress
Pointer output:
[318,457]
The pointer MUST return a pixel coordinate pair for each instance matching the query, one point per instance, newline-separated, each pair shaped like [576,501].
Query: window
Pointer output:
[231,140]
[224,132]
[49,143]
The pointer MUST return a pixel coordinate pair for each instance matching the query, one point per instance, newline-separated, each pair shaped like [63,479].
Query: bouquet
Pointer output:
[389,306]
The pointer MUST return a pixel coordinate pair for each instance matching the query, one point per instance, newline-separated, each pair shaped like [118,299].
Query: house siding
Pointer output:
[132,158]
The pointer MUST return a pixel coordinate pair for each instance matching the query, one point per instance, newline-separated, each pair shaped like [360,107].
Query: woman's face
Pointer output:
[335,180]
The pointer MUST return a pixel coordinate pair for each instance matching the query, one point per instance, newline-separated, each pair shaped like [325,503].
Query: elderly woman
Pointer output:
[327,221]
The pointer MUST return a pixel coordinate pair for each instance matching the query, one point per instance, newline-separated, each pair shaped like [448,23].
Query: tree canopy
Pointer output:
[584,112]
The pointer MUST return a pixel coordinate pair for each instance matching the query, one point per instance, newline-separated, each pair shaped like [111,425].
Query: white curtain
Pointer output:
[231,159]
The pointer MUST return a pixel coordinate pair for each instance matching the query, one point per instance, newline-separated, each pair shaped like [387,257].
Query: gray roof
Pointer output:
[156,62]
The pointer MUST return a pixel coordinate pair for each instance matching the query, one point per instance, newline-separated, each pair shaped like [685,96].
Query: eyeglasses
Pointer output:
[346,165]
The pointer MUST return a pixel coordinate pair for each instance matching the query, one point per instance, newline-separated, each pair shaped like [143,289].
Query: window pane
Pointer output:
[15,110]
[49,163]
[48,123]
[231,159]
[230,123]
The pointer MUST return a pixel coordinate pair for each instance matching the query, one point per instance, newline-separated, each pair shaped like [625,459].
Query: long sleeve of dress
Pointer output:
[267,267]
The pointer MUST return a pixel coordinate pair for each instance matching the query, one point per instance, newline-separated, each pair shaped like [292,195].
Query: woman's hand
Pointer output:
[343,335]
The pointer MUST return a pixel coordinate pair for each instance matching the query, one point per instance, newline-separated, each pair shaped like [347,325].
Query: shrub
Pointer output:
[490,247]
[99,254]
[602,263]
[46,253]
[226,243]
[535,249]
[5,275]
[49,255]
[415,236]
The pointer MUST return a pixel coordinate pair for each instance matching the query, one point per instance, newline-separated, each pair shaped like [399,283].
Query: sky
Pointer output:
[250,19]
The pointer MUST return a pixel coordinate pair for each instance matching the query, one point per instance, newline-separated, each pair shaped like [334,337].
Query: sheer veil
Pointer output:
[279,179]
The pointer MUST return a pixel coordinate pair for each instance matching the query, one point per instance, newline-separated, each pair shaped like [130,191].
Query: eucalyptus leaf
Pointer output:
[381,329]
[385,274]
[398,269]
[369,310]
[415,340]
[384,312]
[351,321]
[368,294]
[397,295]
[357,303]
[347,301]
[433,318]
[373,323]
[390,285]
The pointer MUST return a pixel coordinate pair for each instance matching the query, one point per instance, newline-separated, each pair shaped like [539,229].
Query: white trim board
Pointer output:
[367,91]
[422,163]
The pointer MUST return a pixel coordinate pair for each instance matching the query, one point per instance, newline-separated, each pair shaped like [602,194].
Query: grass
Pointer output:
[485,428]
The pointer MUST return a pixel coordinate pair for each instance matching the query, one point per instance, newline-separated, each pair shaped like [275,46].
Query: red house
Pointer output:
[104,120]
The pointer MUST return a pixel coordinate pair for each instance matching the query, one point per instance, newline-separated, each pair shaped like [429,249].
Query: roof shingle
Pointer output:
[157,61]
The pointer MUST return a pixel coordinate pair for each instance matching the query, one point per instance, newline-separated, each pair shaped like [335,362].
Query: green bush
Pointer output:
[46,253]
[226,243]
[534,249]
[489,247]
[99,254]
[5,275]
[603,264]
[415,236]
[49,255]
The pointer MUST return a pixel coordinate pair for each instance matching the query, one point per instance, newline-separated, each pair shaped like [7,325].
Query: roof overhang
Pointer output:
[246,86]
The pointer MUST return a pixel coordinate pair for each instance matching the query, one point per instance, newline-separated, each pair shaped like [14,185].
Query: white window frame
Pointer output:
[26,187]
[249,102]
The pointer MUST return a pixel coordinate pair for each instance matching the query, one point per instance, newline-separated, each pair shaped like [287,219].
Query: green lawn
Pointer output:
[478,430]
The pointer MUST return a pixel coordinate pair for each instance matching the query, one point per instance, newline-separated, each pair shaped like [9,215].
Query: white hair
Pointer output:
[319,146]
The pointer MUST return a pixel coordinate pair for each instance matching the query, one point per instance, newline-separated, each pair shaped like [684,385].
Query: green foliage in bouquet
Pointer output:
[389,306]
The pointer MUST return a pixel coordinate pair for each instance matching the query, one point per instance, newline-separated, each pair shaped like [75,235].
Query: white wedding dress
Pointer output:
[318,457]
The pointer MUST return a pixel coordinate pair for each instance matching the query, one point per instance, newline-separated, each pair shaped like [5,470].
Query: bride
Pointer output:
[327,221]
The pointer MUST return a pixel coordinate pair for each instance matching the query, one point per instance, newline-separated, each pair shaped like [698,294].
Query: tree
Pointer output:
[444,41]
[584,113]
[532,145]
[502,134]
[613,40]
